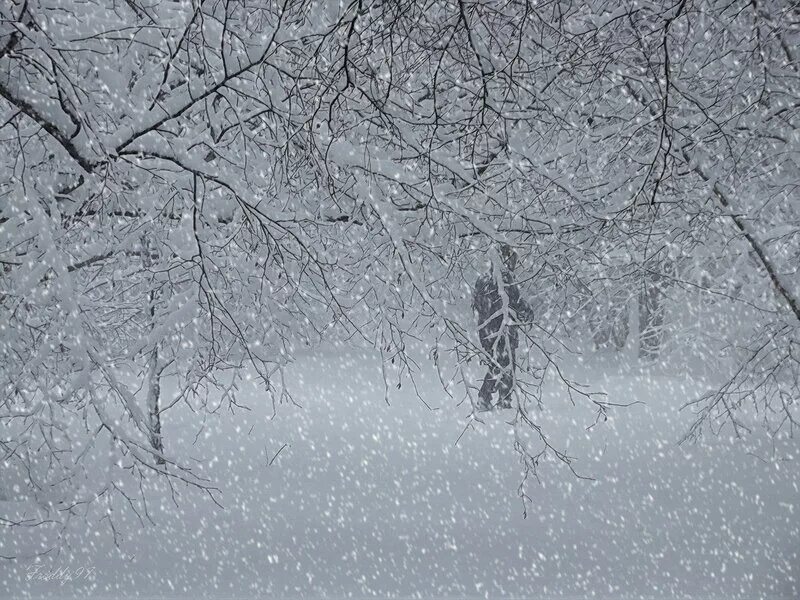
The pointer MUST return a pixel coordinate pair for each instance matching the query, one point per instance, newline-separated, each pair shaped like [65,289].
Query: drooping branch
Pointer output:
[723,196]
[63,138]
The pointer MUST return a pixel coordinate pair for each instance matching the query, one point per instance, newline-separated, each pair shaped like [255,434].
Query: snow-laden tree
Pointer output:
[192,190]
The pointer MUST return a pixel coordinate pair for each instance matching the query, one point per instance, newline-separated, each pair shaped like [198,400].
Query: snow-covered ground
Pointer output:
[368,499]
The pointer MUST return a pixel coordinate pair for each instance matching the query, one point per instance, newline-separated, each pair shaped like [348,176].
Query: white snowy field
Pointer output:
[368,499]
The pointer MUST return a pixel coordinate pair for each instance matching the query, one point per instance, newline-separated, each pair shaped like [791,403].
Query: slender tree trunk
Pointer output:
[154,367]
[153,401]
[609,320]
[651,316]
[651,321]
